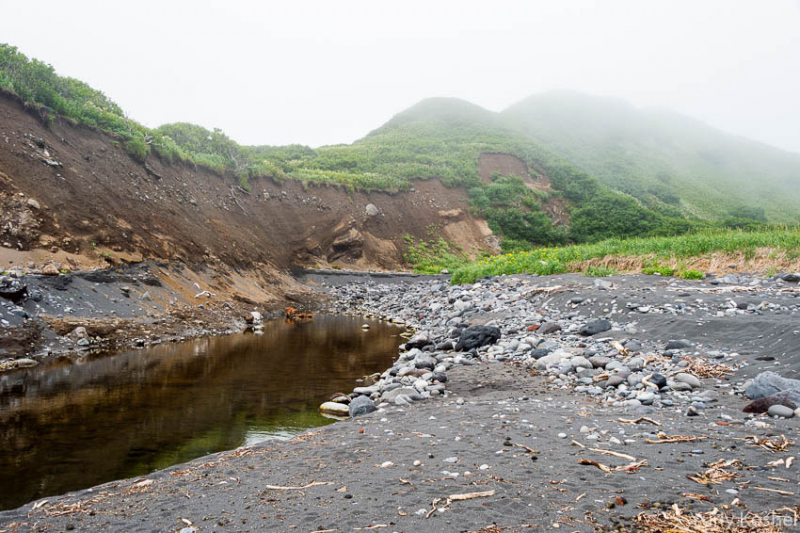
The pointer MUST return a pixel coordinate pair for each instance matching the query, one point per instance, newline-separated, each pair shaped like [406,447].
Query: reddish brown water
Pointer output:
[67,426]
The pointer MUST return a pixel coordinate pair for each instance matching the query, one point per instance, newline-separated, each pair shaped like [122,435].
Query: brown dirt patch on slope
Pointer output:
[92,196]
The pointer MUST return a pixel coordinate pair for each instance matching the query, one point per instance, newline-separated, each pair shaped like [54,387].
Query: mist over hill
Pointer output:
[660,156]
[554,168]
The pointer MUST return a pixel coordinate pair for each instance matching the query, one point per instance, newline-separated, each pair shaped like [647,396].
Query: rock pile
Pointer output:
[545,329]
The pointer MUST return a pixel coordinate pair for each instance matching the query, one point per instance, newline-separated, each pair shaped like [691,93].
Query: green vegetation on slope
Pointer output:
[653,253]
[37,83]
[666,160]
[439,138]
[515,212]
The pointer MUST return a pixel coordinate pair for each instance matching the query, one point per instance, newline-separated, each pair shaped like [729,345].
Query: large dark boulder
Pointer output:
[594,327]
[769,383]
[477,336]
[789,398]
[361,405]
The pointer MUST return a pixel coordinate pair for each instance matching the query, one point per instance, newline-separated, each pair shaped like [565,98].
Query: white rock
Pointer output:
[334,408]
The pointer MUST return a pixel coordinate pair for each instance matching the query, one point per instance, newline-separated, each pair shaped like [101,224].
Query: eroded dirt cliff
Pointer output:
[82,194]
[72,200]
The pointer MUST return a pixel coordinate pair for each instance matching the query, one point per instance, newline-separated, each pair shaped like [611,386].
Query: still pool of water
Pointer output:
[67,426]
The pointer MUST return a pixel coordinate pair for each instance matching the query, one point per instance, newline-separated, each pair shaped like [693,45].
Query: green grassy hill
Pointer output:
[662,157]
[660,173]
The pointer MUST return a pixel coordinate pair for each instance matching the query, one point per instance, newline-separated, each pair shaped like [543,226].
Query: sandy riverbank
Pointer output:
[496,453]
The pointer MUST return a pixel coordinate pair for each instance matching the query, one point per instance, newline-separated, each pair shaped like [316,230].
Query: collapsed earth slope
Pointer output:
[70,189]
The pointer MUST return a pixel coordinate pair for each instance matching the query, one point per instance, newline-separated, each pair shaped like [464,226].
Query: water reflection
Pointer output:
[67,426]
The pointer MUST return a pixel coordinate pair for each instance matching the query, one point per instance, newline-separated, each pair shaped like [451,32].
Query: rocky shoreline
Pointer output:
[563,401]
[542,326]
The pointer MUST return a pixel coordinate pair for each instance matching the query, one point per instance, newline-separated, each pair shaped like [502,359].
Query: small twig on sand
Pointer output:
[589,462]
[776,491]
[546,290]
[527,449]
[638,420]
[664,439]
[615,454]
[470,495]
[633,467]
[456,498]
[312,484]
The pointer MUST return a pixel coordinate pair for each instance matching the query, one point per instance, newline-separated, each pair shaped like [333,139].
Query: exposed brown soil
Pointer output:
[70,188]
[72,200]
[492,163]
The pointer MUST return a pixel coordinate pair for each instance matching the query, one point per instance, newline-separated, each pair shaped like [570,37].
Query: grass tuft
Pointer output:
[773,248]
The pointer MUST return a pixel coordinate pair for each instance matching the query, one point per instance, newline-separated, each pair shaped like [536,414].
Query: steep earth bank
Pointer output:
[72,200]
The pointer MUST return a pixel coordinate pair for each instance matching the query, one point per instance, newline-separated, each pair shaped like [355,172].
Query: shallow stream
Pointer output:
[71,425]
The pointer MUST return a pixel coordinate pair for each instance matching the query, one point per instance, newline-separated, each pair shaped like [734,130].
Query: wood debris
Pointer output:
[589,462]
[695,496]
[543,290]
[445,502]
[647,383]
[639,420]
[714,521]
[312,484]
[774,446]
[665,439]
[613,453]
[470,495]
[527,448]
[619,347]
[716,473]
[776,491]
[703,369]
[62,509]
[633,467]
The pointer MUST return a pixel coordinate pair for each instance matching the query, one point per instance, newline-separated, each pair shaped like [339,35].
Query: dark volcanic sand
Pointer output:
[227,491]
[369,479]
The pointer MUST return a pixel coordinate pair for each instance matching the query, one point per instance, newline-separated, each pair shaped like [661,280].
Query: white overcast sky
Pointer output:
[324,72]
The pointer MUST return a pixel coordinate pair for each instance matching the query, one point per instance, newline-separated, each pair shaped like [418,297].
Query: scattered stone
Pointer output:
[50,270]
[688,379]
[548,327]
[678,344]
[361,405]
[781,411]
[594,327]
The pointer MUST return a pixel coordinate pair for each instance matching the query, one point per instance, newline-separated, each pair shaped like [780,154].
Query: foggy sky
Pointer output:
[325,72]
